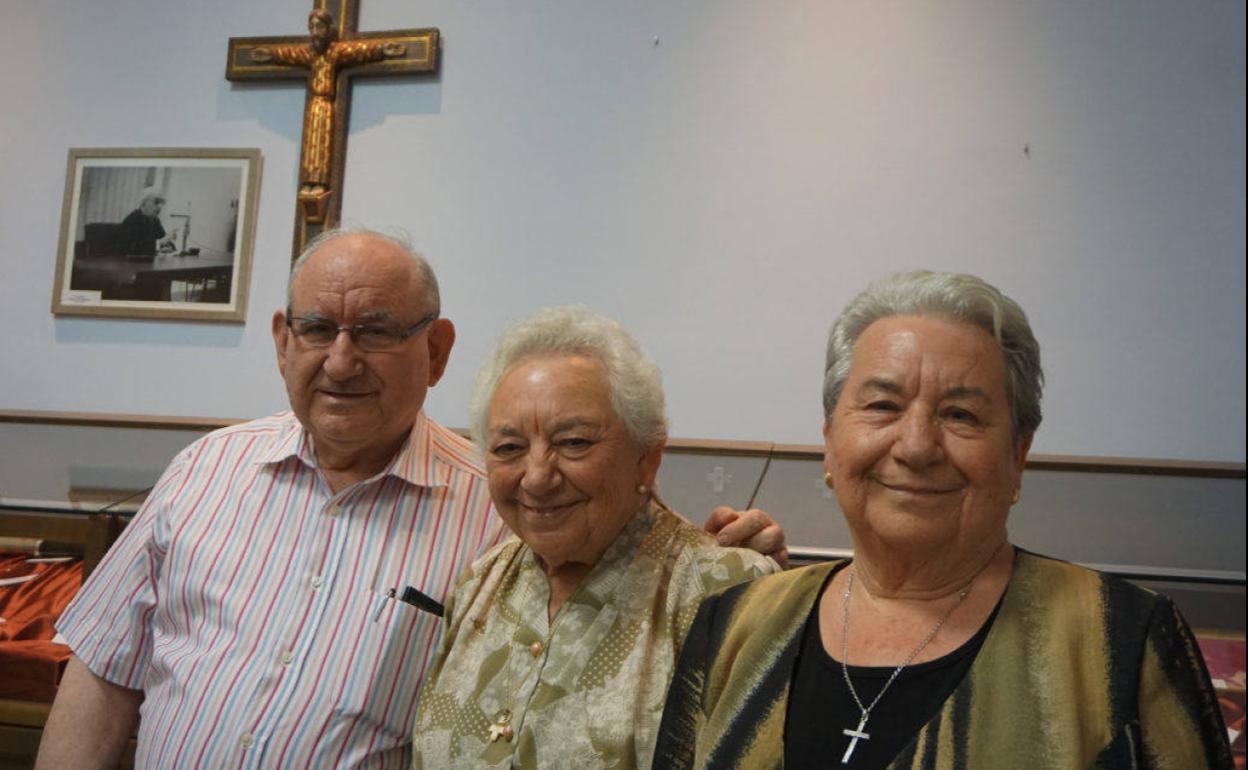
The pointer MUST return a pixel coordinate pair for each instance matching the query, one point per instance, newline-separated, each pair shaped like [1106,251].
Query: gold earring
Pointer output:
[1018,491]
[827,480]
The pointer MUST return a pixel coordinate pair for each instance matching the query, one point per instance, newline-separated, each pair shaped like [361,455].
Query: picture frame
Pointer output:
[161,233]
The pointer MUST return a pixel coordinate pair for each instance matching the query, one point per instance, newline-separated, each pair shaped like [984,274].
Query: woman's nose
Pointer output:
[541,473]
[918,439]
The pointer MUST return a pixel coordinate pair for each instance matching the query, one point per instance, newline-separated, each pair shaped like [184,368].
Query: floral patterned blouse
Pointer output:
[586,689]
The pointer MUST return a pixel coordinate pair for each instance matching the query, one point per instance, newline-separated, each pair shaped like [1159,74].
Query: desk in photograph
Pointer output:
[149,278]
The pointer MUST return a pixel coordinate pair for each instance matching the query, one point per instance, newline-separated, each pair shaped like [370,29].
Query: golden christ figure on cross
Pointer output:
[323,56]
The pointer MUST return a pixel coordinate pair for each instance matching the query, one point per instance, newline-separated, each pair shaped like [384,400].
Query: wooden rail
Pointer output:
[761,449]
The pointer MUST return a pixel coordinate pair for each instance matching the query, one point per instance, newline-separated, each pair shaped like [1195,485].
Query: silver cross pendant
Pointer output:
[854,735]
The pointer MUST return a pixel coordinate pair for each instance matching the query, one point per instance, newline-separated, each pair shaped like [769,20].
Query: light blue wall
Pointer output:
[720,174]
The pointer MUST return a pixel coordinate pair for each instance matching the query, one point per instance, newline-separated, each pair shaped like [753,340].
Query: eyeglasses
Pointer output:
[369,337]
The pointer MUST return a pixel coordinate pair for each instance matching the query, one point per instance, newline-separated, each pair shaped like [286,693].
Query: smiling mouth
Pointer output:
[546,510]
[914,489]
[343,394]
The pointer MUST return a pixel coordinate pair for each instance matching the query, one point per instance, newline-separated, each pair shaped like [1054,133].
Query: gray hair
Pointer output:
[952,296]
[432,296]
[151,193]
[634,383]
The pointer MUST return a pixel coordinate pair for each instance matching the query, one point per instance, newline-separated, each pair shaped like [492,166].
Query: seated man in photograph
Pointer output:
[141,232]
[255,612]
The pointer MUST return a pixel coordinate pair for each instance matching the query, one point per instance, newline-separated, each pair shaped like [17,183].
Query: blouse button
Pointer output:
[536,649]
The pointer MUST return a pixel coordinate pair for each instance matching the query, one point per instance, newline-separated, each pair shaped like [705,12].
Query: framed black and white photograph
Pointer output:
[157,233]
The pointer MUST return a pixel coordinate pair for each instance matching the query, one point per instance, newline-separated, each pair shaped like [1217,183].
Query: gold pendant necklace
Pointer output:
[502,726]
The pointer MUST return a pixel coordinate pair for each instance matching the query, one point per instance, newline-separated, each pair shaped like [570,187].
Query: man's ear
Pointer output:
[441,336]
[281,338]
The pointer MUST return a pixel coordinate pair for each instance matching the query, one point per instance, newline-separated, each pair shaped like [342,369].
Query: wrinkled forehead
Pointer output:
[565,369]
[359,276]
[946,352]
[560,386]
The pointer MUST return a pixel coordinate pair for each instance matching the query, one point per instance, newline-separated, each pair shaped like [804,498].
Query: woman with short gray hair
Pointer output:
[939,644]
[559,646]
[955,296]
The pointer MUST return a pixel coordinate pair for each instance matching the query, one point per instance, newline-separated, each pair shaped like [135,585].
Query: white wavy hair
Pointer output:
[634,383]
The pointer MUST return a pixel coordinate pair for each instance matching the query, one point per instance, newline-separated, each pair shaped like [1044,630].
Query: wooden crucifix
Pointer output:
[334,53]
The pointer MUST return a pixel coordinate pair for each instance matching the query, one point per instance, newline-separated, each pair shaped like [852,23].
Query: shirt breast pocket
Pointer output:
[394,645]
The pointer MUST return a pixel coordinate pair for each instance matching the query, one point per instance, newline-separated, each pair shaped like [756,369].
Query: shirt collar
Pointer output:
[418,462]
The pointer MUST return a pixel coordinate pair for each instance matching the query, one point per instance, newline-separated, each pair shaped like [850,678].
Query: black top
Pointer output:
[820,705]
[138,233]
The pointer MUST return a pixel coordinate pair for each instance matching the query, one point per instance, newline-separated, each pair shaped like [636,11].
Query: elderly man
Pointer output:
[141,232]
[273,603]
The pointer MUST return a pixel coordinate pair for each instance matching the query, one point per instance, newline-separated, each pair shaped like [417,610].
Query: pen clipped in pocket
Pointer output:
[411,597]
[421,601]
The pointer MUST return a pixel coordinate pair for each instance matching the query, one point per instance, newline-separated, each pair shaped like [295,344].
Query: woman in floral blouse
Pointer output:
[559,646]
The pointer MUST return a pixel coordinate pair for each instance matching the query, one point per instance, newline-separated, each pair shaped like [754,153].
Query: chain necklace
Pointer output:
[501,726]
[858,733]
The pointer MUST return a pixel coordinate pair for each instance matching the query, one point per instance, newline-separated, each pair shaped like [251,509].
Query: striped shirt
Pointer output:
[252,605]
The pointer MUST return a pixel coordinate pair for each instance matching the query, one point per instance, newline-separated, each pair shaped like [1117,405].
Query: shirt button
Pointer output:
[246,741]
[287,657]
[334,509]
[315,581]
[536,649]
